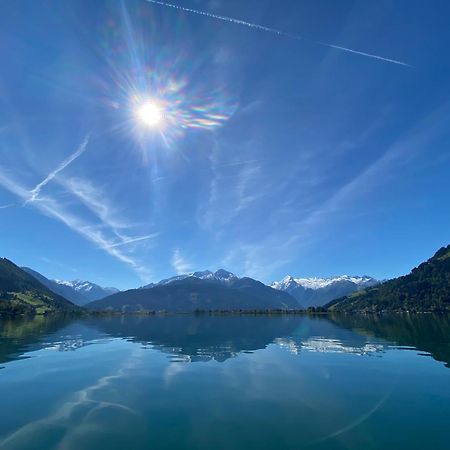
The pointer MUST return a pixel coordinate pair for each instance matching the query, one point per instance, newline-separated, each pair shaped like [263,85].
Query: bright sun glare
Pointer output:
[150,114]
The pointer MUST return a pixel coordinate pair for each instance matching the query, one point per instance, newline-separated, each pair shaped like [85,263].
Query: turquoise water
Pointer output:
[200,382]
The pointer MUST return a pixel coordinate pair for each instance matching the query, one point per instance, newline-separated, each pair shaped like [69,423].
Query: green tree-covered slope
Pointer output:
[426,288]
[20,293]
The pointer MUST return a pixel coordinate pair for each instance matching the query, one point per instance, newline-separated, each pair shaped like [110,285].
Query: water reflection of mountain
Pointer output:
[425,332]
[20,336]
[201,338]
[323,345]
[318,334]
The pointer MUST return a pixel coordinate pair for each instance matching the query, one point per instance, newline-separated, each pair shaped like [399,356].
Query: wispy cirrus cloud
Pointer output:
[95,200]
[34,193]
[179,263]
[235,186]
[104,227]
[262,257]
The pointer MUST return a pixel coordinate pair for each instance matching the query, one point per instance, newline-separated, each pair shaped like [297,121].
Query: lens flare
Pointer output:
[173,105]
[156,88]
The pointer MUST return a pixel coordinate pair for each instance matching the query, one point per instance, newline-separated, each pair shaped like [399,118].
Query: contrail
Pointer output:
[34,193]
[370,55]
[131,240]
[275,31]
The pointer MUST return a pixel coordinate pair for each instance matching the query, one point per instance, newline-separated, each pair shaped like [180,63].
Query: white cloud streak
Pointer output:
[34,193]
[225,202]
[260,259]
[136,239]
[105,232]
[180,265]
[94,199]
[275,31]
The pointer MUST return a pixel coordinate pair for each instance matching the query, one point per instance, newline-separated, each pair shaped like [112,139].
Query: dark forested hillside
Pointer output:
[20,293]
[426,288]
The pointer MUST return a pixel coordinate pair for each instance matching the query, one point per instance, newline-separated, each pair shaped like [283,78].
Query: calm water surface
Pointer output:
[229,382]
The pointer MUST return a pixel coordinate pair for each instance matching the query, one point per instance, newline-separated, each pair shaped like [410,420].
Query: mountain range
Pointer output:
[78,292]
[319,291]
[192,293]
[306,291]
[221,275]
[426,288]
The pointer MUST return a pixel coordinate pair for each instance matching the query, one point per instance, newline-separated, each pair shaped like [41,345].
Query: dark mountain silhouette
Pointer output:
[191,294]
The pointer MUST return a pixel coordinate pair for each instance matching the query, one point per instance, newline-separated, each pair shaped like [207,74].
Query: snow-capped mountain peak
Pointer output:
[283,285]
[219,275]
[317,291]
[90,290]
[320,283]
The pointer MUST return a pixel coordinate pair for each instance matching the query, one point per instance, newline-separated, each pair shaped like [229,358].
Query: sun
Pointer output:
[150,114]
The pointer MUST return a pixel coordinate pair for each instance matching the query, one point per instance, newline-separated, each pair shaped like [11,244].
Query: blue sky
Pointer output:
[275,155]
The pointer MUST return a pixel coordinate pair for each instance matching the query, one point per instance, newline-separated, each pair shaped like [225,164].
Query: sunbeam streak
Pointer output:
[276,32]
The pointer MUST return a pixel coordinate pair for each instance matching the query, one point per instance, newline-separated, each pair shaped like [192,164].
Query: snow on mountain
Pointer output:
[307,291]
[219,275]
[90,291]
[320,283]
[319,291]
[78,292]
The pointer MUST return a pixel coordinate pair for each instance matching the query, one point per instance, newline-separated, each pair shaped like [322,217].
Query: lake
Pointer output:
[225,382]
